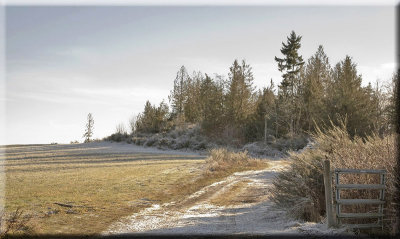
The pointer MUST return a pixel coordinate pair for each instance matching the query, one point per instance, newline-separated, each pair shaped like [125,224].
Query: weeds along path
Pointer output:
[238,204]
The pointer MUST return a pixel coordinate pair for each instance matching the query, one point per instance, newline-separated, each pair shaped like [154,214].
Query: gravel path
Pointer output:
[253,214]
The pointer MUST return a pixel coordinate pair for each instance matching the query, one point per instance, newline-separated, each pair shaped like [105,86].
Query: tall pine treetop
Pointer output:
[292,62]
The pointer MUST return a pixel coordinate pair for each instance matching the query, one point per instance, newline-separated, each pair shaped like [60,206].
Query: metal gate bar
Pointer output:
[380,201]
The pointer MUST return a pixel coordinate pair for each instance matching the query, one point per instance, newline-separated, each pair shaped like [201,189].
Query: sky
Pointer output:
[63,62]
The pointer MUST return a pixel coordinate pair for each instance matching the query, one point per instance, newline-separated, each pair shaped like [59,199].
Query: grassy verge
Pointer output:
[68,191]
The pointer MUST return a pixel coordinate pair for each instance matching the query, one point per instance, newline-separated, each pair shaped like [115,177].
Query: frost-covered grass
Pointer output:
[100,186]
[99,183]
[187,138]
[222,160]
[15,223]
[301,188]
[191,138]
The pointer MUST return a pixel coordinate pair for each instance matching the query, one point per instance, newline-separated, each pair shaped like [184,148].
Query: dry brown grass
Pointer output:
[220,164]
[15,223]
[301,187]
[232,196]
[100,187]
[222,160]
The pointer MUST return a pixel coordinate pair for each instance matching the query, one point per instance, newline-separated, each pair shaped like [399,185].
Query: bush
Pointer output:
[150,141]
[259,149]
[14,223]
[224,160]
[301,188]
[287,144]
[118,137]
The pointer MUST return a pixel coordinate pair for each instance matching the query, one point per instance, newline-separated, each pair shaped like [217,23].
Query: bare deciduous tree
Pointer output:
[121,129]
[132,123]
[89,128]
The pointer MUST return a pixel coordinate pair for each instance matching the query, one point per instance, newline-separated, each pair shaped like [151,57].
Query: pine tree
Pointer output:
[259,124]
[89,128]
[178,93]
[290,67]
[212,106]
[153,119]
[316,78]
[291,64]
[191,106]
[240,95]
[349,100]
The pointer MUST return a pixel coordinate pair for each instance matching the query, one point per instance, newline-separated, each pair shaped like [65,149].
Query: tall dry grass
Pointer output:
[223,160]
[14,223]
[301,188]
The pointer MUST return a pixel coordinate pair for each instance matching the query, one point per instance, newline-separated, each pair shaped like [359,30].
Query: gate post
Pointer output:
[328,193]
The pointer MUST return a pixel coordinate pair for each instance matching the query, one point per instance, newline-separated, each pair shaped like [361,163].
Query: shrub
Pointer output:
[151,141]
[301,188]
[286,144]
[14,223]
[224,160]
[118,137]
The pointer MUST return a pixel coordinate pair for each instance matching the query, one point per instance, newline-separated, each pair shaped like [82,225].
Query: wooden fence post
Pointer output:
[328,193]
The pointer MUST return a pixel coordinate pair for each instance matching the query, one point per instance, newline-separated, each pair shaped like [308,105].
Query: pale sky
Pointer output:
[64,62]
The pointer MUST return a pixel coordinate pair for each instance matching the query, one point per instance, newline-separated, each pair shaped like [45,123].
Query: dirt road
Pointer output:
[239,204]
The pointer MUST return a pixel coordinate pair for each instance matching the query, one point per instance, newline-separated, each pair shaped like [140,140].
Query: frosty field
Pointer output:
[97,182]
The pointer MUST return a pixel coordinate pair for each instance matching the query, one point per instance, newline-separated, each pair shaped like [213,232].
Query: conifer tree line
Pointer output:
[312,94]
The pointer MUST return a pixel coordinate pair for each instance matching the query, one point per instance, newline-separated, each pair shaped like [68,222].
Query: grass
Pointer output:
[232,195]
[100,186]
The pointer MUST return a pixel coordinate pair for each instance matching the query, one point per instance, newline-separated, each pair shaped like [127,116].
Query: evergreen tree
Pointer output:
[153,119]
[212,106]
[178,93]
[259,125]
[317,77]
[348,99]
[89,128]
[192,104]
[290,67]
[240,95]
[291,64]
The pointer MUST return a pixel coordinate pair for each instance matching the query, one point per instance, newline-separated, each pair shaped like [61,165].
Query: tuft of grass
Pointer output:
[232,195]
[222,160]
[301,188]
[15,223]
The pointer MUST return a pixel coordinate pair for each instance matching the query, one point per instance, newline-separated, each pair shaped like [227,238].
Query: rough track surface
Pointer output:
[250,211]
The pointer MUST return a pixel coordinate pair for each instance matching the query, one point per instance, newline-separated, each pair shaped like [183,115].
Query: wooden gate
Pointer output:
[379,201]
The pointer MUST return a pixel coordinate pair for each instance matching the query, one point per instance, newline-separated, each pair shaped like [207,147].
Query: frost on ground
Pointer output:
[249,211]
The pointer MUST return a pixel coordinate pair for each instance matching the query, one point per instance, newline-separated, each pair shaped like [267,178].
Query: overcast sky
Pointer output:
[64,62]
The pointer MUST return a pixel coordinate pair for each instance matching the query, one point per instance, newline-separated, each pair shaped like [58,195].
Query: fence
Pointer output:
[339,202]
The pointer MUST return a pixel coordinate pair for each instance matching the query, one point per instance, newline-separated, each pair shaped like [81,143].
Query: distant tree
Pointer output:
[178,93]
[316,78]
[240,95]
[240,100]
[191,105]
[89,128]
[121,129]
[132,123]
[260,123]
[153,119]
[290,67]
[212,105]
[348,99]
[291,64]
